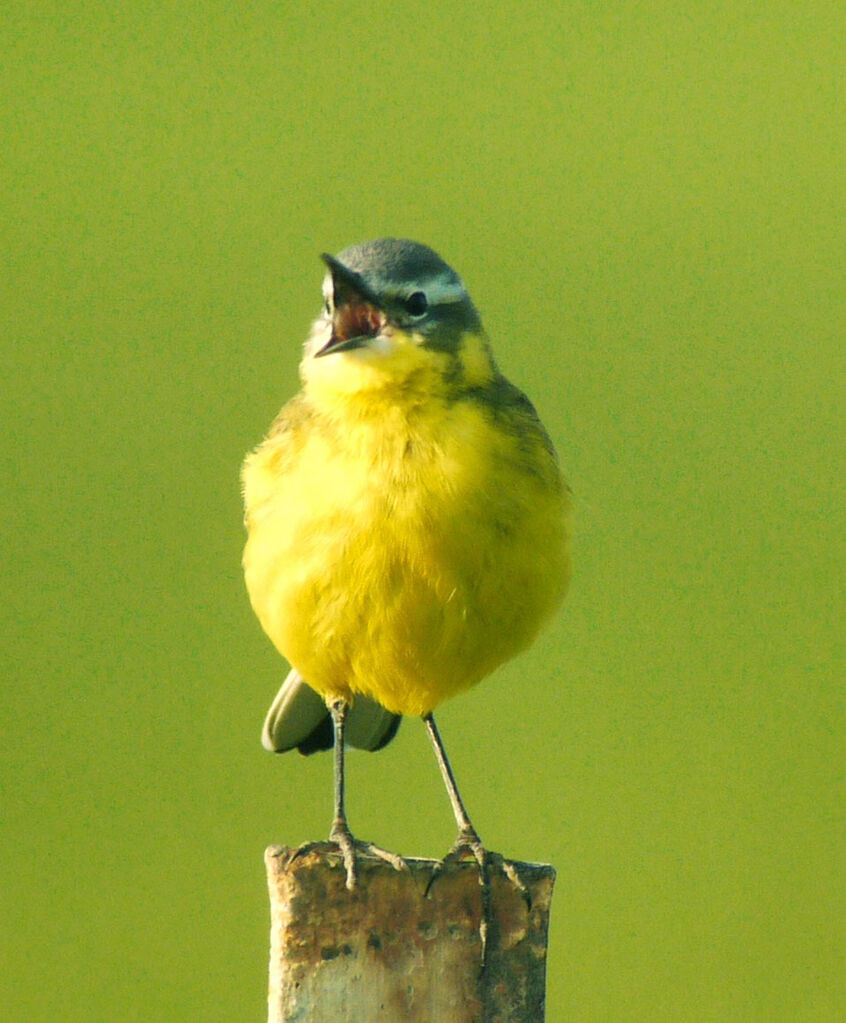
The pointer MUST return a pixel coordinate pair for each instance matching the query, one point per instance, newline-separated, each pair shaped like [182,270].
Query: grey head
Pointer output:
[398,282]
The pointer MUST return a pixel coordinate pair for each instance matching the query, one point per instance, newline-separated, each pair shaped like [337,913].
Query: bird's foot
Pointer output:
[350,847]
[468,844]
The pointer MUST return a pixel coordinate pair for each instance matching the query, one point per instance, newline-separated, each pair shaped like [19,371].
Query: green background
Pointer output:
[644,202]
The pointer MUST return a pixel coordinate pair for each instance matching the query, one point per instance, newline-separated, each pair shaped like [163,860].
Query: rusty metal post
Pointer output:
[388,952]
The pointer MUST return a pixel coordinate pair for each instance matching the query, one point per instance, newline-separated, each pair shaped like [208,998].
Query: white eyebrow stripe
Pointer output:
[445,290]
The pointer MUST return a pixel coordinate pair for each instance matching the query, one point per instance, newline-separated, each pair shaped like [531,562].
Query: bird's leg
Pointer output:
[340,833]
[467,836]
[468,839]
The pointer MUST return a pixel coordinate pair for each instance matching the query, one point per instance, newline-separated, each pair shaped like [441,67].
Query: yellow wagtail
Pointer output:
[406,517]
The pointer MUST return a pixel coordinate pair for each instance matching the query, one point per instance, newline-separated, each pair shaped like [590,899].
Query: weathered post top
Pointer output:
[401,949]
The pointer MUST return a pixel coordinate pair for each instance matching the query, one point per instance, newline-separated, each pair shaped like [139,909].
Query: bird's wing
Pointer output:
[298,718]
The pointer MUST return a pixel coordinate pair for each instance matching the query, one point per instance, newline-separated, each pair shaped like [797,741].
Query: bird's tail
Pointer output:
[298,718]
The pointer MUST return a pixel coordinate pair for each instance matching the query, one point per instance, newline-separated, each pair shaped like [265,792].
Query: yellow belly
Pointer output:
[404,563]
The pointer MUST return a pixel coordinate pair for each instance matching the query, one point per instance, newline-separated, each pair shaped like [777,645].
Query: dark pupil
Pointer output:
[416,303]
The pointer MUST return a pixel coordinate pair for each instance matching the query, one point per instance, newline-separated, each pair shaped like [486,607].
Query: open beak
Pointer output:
[358,317]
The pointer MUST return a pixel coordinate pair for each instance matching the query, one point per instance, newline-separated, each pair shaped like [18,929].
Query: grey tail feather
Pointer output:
[299,719]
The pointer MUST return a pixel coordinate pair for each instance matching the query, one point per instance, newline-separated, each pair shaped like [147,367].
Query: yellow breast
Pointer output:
[406,553]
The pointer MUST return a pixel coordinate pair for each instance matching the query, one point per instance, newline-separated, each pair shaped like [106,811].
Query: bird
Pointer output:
[408,524]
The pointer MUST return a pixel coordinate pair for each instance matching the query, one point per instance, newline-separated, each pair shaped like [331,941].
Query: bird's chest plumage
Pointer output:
[366,507]
[376,556]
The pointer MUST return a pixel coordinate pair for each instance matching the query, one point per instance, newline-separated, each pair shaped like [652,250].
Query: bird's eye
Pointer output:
[416,304]
[327,309]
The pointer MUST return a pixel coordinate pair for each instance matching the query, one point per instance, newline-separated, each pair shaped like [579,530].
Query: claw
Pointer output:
[302,850]
[467,842]
[510,872]
[349,847]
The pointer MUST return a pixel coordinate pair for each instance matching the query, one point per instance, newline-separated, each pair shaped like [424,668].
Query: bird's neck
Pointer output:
[344,388]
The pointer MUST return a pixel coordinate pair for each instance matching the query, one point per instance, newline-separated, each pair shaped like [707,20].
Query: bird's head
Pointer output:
[395,318]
